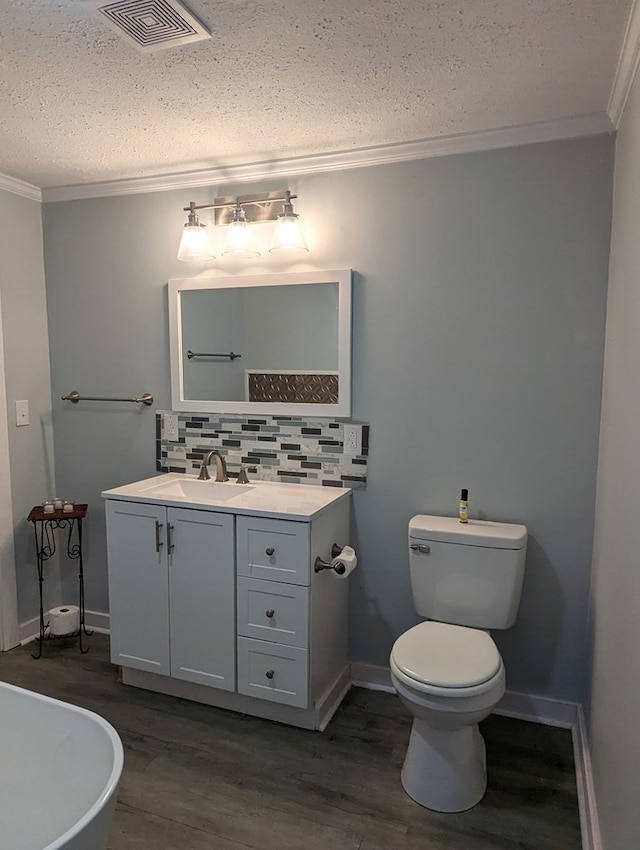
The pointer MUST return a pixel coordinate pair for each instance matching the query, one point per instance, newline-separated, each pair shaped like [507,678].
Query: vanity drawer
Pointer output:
[272,671]
[269,610]
[273,549]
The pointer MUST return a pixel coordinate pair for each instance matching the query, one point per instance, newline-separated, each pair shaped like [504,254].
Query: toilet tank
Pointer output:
[469,574]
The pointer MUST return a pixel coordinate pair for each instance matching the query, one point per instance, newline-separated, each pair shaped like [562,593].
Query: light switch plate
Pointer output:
[22,413]
[171,427]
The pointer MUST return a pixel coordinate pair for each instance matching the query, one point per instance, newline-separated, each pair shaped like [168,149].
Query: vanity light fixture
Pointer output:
[194,244]
[287,235]
[239,236]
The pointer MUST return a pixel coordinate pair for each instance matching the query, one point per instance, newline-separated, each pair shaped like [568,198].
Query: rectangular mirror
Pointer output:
[262,344]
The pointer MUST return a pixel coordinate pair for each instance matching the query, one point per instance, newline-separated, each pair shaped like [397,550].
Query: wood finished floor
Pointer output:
[199,778]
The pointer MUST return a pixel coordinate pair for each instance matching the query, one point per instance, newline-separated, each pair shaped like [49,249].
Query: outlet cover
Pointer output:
[171,427]
[352,439]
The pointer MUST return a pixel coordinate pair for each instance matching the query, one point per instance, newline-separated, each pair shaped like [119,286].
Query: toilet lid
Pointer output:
[446,656]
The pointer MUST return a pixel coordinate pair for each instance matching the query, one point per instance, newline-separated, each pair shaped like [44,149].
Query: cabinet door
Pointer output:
[202,607]
[138,585]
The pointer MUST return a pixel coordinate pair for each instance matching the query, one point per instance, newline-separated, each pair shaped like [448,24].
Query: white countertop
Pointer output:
[259,498]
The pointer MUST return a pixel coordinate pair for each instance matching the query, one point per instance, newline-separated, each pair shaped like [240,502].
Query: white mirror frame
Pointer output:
[342,409]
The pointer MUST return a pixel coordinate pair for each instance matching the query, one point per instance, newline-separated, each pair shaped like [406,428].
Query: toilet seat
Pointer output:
[446,660]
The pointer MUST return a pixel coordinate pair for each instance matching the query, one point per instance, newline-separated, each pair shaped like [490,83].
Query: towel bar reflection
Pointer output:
[230,356]
[75,397]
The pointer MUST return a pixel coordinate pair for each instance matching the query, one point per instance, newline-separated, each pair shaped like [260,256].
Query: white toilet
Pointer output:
[466,578]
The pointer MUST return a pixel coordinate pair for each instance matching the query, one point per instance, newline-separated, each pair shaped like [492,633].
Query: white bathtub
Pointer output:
[59,771]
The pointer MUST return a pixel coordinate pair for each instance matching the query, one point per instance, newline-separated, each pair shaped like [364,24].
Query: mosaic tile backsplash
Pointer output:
[272,448]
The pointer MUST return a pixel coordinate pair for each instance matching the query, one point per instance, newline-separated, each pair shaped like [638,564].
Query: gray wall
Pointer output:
[479,308]
[26,350]
[615,744]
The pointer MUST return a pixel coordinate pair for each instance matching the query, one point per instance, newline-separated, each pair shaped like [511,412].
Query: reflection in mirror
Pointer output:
[263,344]
[240,333]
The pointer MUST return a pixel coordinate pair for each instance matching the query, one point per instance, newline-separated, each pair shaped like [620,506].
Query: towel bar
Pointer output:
[75,397]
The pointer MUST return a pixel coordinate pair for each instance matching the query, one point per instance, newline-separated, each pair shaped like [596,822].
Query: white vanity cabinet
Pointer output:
[223,605]
[171,591]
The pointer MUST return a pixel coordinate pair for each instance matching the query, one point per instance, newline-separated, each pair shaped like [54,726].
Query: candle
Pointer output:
[48,507]
[57,504]
[67,507]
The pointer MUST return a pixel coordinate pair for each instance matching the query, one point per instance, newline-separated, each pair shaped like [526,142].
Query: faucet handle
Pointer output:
[242,476]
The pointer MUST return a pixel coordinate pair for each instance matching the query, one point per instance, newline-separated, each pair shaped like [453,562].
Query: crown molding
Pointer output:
[546,131]
[627,66]
[19,187]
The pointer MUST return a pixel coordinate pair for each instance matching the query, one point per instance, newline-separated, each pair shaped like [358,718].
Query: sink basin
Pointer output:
[217,491]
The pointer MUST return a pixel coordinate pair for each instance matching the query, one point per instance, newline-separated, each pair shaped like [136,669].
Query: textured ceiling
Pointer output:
[285,78]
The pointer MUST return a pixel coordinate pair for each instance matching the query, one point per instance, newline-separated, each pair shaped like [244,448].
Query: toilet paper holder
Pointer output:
[319,564]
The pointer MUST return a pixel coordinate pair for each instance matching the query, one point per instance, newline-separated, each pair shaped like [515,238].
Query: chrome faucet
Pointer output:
[221,467]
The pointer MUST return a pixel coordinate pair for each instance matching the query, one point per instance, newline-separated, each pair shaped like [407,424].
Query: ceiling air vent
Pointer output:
[153,24]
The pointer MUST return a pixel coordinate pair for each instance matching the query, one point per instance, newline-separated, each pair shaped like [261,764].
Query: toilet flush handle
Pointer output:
[421,548]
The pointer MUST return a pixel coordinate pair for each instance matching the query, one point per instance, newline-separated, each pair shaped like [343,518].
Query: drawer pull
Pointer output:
[270,613]
[270,674]
[269,551]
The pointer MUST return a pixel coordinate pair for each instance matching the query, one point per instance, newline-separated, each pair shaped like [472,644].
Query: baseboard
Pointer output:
[371,676]
[29,630]
[330,701]
[589,824]
[96,621]
[538,709]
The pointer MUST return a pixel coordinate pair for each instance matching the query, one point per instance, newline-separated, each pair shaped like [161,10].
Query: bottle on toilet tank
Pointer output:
[463,510]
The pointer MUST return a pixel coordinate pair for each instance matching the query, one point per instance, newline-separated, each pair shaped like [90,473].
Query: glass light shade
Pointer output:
[195,244]
[239,239]
[288,234]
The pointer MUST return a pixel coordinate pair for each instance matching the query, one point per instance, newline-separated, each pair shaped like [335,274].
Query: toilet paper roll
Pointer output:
[64,619]
[345,563]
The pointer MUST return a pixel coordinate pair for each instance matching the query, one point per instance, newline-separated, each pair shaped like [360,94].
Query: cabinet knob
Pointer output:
[270,551]
[270,674]
[270,612]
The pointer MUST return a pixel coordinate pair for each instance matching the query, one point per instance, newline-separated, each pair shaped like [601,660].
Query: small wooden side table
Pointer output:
[44,525]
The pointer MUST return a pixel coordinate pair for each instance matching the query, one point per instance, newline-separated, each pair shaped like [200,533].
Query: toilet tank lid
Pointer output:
[476,532]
